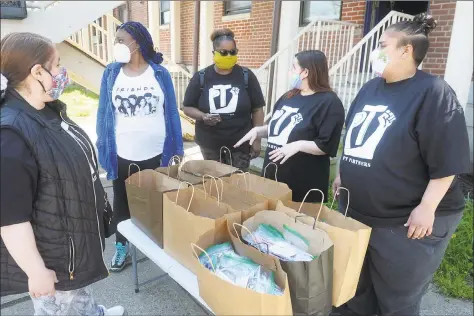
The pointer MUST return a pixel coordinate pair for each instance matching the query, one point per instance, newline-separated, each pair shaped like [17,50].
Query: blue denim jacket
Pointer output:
[106,141]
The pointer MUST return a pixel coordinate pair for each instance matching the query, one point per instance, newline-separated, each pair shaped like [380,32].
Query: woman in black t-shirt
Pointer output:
[405,143]
[226,101]
[305,128]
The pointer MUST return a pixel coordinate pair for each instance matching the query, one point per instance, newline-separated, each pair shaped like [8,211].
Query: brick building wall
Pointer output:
[138,12]
[253,35]
[187,31]
[353,11]
[443,13]
[164,45]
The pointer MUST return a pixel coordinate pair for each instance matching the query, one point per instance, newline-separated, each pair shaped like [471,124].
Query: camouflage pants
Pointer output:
[238,158]
[78,303]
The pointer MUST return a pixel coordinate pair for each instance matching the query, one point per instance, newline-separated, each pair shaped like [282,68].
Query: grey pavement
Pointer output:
[166,297]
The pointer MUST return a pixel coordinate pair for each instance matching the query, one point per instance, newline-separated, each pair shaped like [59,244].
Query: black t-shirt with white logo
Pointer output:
[227,96]
[398,137]
[319,118]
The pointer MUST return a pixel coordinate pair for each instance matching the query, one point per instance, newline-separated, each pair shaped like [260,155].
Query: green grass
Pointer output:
[454,276]
[80,102]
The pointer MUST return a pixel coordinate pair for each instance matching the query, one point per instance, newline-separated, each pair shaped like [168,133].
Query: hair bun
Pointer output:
[426,21]
[221,32]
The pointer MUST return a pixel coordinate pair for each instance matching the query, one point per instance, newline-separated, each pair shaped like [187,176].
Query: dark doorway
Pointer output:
[376,10]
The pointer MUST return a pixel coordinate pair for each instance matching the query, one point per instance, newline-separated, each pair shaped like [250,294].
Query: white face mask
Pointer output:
[379,61]
[122,53]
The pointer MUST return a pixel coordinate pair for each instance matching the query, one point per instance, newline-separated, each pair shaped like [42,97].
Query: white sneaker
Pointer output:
[114,311]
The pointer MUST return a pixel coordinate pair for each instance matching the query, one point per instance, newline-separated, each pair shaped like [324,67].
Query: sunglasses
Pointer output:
[225,52]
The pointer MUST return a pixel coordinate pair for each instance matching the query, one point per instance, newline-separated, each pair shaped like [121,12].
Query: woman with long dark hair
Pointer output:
[305,128]
[405,144]
[147,139]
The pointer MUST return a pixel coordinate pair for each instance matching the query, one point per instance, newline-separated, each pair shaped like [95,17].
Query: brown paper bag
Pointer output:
[174,172]
[145,199]
[350,238]
[271,189]
[187,214]
[310,282]
[225,298]
[237,198]
[200,168]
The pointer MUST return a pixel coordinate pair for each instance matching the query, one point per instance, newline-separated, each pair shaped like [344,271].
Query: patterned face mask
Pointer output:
[60,81]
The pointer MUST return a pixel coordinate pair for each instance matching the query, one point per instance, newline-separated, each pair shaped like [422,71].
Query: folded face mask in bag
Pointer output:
[215,253]
[239,270]
[295,238]
[269,239]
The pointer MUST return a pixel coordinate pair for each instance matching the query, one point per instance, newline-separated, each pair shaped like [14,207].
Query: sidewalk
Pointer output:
[166,297]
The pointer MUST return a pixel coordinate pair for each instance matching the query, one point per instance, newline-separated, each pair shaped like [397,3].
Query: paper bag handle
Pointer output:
[172,160]
[244,174]
[219,195]
[348,198]
[321,205]
[139,176]
[192,194]
[251,235]
[314,224]
[193,246]
[223,149]
[276,170]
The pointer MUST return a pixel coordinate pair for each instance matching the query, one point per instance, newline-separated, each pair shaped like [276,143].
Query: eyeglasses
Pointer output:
[225,52]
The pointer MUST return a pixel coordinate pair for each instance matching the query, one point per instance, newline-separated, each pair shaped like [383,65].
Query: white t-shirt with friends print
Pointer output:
[139,116]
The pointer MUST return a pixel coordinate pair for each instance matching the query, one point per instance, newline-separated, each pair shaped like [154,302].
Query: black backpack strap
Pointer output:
[246,76]
[201,78]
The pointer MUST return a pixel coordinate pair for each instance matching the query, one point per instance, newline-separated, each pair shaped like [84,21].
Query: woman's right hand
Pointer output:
[250,137]
[211,119]
[42,283]
[336,185]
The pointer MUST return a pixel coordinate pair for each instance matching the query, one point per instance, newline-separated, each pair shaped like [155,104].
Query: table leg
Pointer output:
[134,267]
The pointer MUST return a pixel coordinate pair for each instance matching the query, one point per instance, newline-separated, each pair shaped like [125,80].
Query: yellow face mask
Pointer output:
[224,62]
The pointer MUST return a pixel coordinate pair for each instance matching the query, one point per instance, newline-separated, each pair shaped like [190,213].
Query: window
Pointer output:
[165,15]
[13,10]
[330,10]
[122,13]
[237,7]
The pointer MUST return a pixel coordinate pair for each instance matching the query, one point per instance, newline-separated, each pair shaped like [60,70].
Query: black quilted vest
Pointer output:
[67,212]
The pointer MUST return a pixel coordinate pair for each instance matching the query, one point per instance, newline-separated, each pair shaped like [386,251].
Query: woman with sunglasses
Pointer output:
[226,101]
[146,139]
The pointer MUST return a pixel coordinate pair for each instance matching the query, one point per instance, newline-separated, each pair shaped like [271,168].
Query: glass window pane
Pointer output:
[164,6]
[237,6]
[165,17]
[322,9]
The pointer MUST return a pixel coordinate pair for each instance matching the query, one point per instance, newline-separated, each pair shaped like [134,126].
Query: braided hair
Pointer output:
[143,38]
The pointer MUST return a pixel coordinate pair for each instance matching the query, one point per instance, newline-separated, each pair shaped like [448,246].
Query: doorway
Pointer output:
[375,11]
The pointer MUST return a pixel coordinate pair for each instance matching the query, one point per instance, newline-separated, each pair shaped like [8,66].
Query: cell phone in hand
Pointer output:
[215,116]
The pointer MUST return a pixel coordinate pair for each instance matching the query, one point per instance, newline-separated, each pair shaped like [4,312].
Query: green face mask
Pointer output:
[224,62]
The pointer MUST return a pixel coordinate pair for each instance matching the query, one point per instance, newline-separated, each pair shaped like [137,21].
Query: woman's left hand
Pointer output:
[284,153]
[420,222]
[255,149]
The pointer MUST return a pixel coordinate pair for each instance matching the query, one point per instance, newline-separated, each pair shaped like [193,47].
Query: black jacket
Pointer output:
[70,209]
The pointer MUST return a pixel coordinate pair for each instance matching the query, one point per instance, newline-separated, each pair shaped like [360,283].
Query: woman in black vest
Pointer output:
[54,211]
[226,101]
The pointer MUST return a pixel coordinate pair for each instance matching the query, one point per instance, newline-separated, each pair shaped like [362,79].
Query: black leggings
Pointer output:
[121,210]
